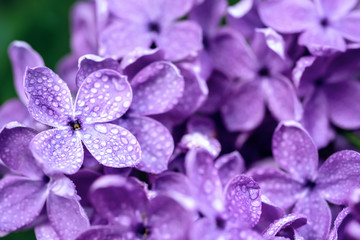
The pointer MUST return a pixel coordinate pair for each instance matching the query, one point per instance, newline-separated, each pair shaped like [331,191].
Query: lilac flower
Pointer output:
[304,185]
[131,215]
[146,24]
[103,96]
[24,192]
[330,90]
[324,25]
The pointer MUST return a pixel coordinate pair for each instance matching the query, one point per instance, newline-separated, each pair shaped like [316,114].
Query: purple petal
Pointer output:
[15,152]
[104,233]
[71,220]
[281,99]
[338,176]
[22,55]
[338,221]
[200,141]
[155,141]
[91,63]
[245,109]
[273,41]
[243,201]
[229,165]
[58,150]
[105,95]
[46,232]
[13,110]
[168,218]
[344,106]
[21,201]
[157,88]
[205,179]
[347,25]
[181,40]
[318,217]
[293,220]
[281,189]
[67,68]
[119,200]
[175,9]
[50,100]
[336,8]
[295,151]
[120,38]
[203,125]
[111,145]
[296,16]
[269,214]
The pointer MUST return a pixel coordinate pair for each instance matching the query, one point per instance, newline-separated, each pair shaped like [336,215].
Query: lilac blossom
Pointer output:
[303,185]
[103,96]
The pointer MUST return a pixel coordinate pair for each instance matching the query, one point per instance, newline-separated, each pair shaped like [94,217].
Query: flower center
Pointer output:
[310,184]
[220,223]
[75,125]
[319,82]
[264,72]
[142,231]
[154,27]
[324,22]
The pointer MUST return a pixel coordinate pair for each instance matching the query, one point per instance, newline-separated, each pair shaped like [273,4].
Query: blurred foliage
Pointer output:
[44,24]
[21,235]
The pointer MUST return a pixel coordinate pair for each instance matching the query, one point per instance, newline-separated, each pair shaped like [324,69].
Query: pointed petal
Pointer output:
[111,145]
[318,215]
[21,201]
[46,232]
[293,220]
[344,105]
[157,88]
[168,218]
[203,175]
[50,100]
[280,188]
[243,201]
[105,95]
[119,200]
[91,63]
[22,55]
[338,221]
[338,176]
[58,150]
[66,216]
[296,16]
[245,108]
[229,165]
[294,151]
[181,39]
[155,141]
[15,152]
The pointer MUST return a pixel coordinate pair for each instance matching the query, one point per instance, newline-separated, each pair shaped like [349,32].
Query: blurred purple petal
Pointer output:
[13,110]
[338,221]
[104,233]
[293,220]
[229,165]
[45,232]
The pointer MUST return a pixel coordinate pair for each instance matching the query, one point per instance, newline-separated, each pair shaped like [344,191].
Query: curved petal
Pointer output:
[318,215]
[50,100]
[205,179]
[296,15]
[245,108]
[119,200]
[336,9]
[105,95]
[243,201]
[180,40]
[344,104]
[338,221]
[229,165]
[105,233]
[111,145]
[21,201]
[66,216]
[294,151]
[58,150]
[347,26]
[157,88]
[174,9]
[168,218]
[22,55]
[281,189]
[91,63]
[293,220]
[46,232]
[13,110]
[155,141]
[338,176]
[15,152]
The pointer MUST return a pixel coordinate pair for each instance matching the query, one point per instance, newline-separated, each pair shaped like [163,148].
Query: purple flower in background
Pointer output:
[148,24]
[104,96]
[303,184]
[131,215]
[324,25]
[24,192]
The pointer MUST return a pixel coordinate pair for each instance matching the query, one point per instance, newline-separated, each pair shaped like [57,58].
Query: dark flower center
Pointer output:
[310,184]
[324,22]
[264,72]
[319,82]
[154,27]
[220,223]
[205,42]
[153,45]
[142,231]
[45,179]
[75,125]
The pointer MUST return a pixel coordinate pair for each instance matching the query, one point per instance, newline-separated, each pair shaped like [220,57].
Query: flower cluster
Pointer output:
[188,120]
